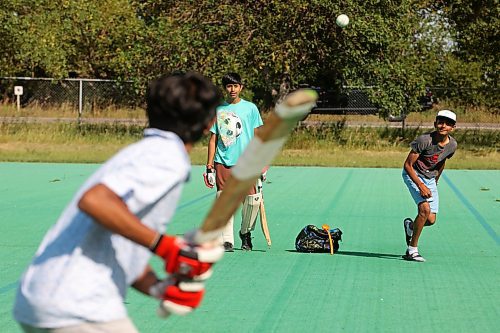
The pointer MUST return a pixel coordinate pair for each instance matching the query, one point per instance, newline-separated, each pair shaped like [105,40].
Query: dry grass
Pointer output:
[71,112]
[466,114]
[363,147]
[329,145]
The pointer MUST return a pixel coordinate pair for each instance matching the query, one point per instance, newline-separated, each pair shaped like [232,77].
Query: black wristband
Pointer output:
[155,243]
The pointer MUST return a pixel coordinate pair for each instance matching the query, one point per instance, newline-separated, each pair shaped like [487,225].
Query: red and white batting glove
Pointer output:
[179,302]
[209,176]
[177,297]
[186,259]
[188,266]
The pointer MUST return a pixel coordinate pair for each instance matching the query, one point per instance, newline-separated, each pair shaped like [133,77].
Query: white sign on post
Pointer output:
[18,91]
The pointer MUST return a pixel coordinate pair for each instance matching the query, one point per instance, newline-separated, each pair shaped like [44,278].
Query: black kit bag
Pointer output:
[314,239]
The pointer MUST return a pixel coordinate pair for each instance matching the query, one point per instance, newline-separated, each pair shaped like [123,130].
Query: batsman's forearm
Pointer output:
[108,210]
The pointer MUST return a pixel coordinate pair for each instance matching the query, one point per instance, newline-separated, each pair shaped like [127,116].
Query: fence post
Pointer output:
[80,99]
[18,91]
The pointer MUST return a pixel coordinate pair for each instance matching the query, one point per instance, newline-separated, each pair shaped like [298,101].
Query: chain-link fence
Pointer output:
[354,100]
[91,94]
[349,100]
[83,94]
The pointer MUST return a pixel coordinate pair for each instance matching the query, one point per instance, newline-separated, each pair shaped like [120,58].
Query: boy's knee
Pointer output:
[424,210]
[430,220]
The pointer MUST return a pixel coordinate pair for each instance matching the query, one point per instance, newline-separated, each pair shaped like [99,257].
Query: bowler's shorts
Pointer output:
[415,192]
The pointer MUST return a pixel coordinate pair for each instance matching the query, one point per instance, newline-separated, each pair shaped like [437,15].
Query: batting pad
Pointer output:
[249,212]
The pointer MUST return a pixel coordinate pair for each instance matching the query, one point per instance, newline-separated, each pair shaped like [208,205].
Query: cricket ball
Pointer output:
[342,20]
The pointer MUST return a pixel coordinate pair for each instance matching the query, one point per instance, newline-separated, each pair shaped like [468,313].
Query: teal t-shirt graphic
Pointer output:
[234,129]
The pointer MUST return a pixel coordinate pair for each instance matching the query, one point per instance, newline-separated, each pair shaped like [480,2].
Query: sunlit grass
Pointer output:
[71,112]
[468,114]
[465,114]
[328,145]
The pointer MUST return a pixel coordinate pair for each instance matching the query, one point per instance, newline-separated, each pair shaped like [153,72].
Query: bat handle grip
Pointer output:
[259,185]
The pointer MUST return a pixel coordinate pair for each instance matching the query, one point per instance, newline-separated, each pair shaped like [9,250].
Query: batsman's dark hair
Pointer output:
[231,78]
[182,103]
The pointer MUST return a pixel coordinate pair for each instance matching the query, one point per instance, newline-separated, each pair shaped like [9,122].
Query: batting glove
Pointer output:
[186,259]
[209,176]
[178,297]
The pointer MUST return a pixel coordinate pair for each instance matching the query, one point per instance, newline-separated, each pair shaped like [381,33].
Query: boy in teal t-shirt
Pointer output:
[237,121]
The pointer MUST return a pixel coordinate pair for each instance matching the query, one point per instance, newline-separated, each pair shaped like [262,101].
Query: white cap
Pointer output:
[447,114]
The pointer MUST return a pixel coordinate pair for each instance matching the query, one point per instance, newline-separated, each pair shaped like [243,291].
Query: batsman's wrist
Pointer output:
[155,242]
[162,245]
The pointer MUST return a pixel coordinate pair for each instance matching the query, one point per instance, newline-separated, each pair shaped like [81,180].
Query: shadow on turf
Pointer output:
[361,254]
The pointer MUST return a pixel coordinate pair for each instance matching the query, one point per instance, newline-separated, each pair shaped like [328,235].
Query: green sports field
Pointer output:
[366,287]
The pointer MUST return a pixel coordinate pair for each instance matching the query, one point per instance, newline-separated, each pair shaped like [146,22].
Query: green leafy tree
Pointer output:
[270,40]
[8,27]
[464,36]
[396,47]
[56,38]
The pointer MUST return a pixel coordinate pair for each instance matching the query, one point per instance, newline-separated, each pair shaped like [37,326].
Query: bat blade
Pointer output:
[263,224]
[293,109]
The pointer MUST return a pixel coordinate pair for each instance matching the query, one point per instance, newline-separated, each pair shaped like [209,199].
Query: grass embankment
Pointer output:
[329,145]
[465,114]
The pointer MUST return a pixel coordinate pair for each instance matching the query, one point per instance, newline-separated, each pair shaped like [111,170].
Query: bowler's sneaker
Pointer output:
[228,247]
[246,241]
[408,230]
[415,256]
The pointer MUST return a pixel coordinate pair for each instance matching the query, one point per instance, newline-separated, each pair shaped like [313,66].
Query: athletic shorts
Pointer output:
[415,192]
[117,326]
[222,173]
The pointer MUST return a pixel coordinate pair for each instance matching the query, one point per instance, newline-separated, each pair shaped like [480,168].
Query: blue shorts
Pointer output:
[415,192]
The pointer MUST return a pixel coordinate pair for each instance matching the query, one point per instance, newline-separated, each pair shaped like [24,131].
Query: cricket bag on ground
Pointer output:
[314,239]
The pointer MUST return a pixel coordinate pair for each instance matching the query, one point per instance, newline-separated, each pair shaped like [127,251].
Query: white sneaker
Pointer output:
[415,256]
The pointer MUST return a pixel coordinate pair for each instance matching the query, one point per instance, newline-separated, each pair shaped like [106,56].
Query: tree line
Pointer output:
[398,47]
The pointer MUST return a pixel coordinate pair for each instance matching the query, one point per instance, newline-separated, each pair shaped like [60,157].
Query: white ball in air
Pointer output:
[342,20]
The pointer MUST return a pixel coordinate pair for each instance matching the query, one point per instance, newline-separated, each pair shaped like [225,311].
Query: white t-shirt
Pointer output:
[81,271]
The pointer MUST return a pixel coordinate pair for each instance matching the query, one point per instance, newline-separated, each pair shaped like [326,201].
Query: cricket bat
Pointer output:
[264,147]
[263,223]
[263,218]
